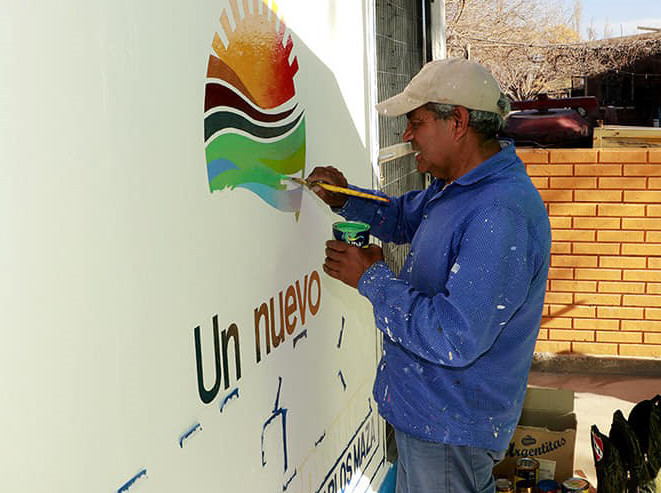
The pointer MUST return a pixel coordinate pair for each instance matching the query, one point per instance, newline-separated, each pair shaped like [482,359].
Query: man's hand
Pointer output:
[347,263]
[333,176]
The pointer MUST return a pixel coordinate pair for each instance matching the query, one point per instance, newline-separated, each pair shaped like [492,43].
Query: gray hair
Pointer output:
[485,123]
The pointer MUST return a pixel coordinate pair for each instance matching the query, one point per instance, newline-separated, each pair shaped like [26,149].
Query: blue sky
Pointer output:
[622,16]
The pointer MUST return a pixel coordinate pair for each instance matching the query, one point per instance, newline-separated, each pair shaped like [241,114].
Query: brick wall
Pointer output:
[604,289]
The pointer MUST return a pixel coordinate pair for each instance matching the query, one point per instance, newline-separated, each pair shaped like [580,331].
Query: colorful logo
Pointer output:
[254,131]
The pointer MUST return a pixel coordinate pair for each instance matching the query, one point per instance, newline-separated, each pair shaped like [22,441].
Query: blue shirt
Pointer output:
[461,319]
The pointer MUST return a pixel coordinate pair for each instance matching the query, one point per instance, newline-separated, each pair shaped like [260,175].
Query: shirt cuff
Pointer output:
[372,283]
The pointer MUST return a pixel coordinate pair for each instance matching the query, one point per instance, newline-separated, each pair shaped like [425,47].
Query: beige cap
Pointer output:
[451,81]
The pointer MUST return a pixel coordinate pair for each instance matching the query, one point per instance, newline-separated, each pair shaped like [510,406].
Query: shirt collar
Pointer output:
[505,158]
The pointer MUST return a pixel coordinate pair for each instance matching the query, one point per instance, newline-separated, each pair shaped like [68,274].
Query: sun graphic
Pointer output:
[256,49]
[254,127]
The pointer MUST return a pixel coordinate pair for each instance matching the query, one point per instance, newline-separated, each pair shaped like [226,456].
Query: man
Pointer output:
[461,319]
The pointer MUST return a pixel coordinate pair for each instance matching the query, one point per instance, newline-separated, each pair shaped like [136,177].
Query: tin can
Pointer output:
[504,486]
[548,486]
[575,485]
[352,232]
[525,487]
[526,469]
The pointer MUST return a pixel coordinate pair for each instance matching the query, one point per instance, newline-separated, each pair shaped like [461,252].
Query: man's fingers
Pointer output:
[337,246]
[333,273]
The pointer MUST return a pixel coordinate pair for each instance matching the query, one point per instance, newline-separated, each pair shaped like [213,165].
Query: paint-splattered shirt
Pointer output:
[461,319]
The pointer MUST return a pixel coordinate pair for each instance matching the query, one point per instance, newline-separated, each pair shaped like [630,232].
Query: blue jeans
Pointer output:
[430,467]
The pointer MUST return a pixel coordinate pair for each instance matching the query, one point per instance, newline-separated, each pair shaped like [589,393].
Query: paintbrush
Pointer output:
[335,188]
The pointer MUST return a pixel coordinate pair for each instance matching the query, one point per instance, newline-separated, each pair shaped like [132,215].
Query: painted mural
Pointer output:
[254,129]
[185,336]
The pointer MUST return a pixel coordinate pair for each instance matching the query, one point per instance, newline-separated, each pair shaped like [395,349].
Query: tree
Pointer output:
[512,38]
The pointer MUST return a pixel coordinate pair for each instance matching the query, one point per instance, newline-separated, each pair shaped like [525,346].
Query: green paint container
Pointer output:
[352,232]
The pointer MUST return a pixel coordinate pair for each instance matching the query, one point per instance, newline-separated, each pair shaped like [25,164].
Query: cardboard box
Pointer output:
[546,432]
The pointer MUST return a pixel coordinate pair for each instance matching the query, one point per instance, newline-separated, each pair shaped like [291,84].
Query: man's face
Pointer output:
[432,139]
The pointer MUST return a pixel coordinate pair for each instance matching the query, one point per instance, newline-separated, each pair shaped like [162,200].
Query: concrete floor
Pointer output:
[596,398]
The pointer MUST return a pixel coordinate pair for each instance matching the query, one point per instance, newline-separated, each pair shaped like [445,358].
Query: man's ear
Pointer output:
[461,119]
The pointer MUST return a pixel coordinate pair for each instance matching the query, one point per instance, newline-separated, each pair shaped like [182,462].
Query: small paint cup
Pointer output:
[352,232]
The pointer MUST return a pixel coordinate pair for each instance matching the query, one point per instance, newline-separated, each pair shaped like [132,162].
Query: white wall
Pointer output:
[113,250]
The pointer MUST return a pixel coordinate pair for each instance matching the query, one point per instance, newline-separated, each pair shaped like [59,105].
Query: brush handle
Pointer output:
[335,188]
[349,191]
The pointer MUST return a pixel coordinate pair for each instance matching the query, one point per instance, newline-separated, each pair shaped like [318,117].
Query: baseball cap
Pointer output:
[450,81]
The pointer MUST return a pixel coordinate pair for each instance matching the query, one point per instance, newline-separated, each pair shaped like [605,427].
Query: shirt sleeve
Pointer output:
[395,221]
[488,282]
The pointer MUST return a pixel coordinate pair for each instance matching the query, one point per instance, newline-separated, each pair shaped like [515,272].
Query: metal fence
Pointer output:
[399,49]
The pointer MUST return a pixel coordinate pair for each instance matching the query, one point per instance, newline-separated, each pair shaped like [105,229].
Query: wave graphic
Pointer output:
[228,119]
[239,160]
[254,131]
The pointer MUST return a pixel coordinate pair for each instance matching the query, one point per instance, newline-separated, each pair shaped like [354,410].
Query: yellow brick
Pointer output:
[533,155]
[640,223]
[654,155]
[651,351]
[582,286]
[556,273]
[652,338]
[596,324]
[623,155]
[641,249]
[641,300]
[624,236]
[608,336]
[596,248]
[654,263]
[573,261]
[597,299]
[597,222]
[654,211]
[558,298]
[623,313]
[540,182]
[598,170]
[642,325]
[598,274]
[598,195]
[621,210]
[571,335]
[654,288]
[572,235]
[552,347]
[556,195]
[556,323]
[621,287]
[543,335]
[560,222]
[560,247]
[645,196]
[550,170]
[572,311]
[653,313]
[573,183]
[620,183]
[641,170]
[642,275]
[623,262]
[572,209]
[573,156]
[594,348]
[654,184]
[653,236]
